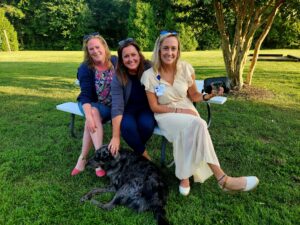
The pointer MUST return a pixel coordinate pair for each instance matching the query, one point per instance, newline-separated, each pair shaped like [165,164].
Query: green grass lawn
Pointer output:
[252,136]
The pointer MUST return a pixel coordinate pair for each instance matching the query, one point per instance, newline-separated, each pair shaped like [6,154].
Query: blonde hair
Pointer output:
[156,60]
[88,59]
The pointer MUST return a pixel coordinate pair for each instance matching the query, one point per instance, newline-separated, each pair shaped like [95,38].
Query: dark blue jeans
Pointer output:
[104,110]
[137,128]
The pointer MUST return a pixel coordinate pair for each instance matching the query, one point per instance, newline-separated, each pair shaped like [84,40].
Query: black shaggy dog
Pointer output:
[135,181]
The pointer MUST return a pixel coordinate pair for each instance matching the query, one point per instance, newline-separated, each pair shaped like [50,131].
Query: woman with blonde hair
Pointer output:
[95,76]
[171,91]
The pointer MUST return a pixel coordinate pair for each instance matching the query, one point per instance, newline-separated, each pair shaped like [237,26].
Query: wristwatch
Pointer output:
[203,97]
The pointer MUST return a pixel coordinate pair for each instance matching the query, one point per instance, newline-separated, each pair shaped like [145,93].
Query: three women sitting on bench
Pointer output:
[170,89]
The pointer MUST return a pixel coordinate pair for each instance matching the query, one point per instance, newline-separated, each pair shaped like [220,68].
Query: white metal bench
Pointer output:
[73,109]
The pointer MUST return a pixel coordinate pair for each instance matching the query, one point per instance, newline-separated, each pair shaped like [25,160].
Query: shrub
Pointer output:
[141,24]
[7,27]
[187,37]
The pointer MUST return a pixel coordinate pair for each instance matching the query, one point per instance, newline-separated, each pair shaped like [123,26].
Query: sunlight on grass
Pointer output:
[42,92]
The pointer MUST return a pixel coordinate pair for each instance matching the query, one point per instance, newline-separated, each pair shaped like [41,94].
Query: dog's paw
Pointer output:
[85,198]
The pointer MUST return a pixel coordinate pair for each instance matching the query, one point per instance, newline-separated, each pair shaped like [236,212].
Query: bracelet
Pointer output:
[204,98]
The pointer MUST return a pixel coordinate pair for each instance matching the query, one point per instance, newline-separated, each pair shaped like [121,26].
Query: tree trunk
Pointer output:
[260,41]
[224,37]
[235,54]
[248,19]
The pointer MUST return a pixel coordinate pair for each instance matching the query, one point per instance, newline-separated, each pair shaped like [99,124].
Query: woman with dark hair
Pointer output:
[95,75]
[131,115]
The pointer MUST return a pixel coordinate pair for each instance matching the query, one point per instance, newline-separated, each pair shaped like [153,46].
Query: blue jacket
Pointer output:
[86,77]
[120,94]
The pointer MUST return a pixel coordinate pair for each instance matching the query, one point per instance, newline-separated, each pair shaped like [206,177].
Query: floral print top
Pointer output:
[103,80]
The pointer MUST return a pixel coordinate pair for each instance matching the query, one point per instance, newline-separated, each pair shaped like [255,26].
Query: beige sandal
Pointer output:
[223,186]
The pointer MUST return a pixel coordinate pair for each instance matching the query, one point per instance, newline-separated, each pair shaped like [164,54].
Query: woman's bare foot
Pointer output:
[79,166]
[232,183]
[238,183]
[184,187]
[185,183]
[81,163]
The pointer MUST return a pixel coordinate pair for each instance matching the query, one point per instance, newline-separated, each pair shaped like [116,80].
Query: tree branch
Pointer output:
[261,38]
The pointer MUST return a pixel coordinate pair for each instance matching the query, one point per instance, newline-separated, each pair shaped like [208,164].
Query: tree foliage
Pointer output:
[8,35]
[141,24]
[52,24]
[110,19]
[186,31]
[147,18]
[285,32]
[60,24]
[187,37]
[201,18]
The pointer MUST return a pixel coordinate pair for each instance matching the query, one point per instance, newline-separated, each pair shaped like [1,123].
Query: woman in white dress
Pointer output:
[170,87]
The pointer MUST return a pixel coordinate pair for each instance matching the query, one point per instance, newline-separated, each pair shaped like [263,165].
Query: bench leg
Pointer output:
[163,150]
[72,124]
[208,115]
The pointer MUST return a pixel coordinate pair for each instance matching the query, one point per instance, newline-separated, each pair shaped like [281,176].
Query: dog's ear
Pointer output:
[103,153]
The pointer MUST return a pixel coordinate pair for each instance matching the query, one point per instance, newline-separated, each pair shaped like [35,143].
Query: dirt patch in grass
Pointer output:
[251,92]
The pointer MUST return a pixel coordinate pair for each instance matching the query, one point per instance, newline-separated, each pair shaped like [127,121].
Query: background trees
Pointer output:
[109,18]
[147,18]
[8,35]
[232,25]
[53,24]
[60,24]
[141,24]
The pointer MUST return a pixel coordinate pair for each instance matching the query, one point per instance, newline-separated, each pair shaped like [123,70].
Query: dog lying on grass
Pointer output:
[135,181]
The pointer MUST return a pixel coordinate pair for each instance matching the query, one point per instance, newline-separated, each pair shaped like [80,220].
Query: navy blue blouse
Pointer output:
[137,100]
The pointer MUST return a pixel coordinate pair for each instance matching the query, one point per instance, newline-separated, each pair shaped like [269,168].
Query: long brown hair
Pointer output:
[121,69]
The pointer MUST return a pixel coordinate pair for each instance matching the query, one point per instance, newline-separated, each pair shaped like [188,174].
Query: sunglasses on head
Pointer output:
[164,32]
[125,41]
[88,36]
